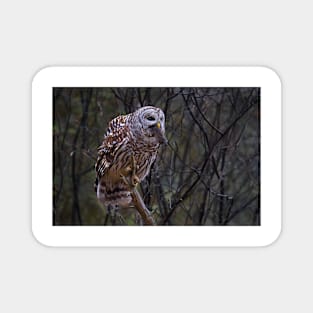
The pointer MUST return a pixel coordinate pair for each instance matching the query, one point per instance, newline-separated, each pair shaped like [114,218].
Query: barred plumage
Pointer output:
[136,135]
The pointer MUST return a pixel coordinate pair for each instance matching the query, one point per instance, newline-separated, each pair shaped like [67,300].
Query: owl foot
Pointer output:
[135,180]
[132,182]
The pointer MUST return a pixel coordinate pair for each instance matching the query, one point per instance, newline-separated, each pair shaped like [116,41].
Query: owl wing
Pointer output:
[116,136]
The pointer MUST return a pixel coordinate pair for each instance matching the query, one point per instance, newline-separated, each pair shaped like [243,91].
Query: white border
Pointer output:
[163,236]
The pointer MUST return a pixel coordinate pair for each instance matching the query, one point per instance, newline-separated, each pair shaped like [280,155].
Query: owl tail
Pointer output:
[116,196]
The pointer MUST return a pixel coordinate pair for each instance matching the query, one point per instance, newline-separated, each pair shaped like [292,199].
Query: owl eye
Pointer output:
[150,118]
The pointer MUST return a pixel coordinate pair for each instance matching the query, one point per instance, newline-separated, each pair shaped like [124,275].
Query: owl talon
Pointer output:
[128,182]
[135,180]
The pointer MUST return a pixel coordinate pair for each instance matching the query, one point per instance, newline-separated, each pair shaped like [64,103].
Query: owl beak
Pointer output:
[158,125]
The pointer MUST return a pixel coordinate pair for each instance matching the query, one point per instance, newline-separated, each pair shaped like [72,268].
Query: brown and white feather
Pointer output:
[133,135]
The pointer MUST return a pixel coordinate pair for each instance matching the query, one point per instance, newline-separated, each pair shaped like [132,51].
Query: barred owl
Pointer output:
[134,138]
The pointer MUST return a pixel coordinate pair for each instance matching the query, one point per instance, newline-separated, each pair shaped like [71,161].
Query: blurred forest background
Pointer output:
[208,174]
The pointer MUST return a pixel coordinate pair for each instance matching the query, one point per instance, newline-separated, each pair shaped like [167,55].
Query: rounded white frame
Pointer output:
[160,236]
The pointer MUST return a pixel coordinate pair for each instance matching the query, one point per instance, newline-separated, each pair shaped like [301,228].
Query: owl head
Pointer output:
[152,125]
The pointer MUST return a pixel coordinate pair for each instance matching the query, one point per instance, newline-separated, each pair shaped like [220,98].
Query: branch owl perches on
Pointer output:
[128,150]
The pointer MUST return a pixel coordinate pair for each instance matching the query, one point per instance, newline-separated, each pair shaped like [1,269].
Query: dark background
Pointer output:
[208,174]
